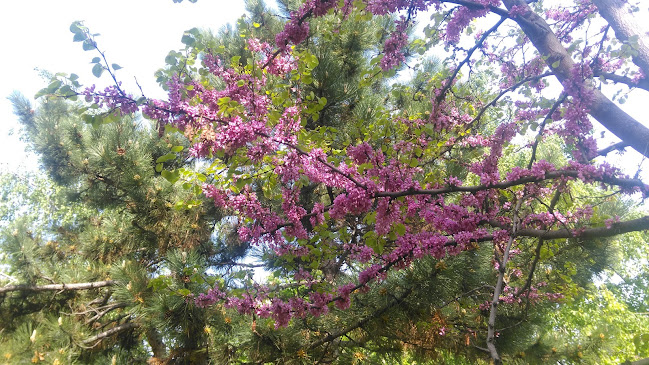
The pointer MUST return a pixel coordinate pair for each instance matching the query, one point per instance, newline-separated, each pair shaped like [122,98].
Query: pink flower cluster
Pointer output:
[113,98]
[392,50]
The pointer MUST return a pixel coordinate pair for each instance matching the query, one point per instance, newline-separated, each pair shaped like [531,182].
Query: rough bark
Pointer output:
[615,13]
[56,287]
[560,62]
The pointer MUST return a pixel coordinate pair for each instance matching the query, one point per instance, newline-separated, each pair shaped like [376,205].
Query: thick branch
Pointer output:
[625,28]
[641,84]
[634,225]
[56,287]
[560,62]
[625,183]
[475,5]
[158,346]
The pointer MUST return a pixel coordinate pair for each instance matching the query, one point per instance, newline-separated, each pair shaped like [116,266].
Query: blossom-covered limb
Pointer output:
[560,62]
[451,80]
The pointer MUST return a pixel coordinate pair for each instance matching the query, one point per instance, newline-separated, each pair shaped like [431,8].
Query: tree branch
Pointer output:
[616,146]
[56,287]
[560,62]
[115,330]
[625,183]
[621,21]
[474,5]
[100,312]
[362,322]
[617,228]
[641,84]
[500,282]
[478,44]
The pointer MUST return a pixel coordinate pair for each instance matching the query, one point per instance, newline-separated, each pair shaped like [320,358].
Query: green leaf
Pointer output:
[171,60]
[55,85]
[79,37]
[177,148]
[400,229]
[158,167]
[40,93]
[65,90]
[556,64]
[88,45]
[167,157]
[171,176]
[97,70]
[188,39]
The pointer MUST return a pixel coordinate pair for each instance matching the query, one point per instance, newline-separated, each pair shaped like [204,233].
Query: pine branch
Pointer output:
[362,322]
[56,287]
[100,312]
[115,330]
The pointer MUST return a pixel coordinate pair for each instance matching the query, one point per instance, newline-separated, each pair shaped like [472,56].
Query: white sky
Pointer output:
[136,34]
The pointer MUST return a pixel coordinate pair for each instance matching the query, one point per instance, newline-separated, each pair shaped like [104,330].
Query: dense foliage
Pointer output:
[297,199]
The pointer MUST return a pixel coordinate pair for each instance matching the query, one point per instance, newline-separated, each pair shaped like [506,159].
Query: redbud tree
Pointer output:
[399,184]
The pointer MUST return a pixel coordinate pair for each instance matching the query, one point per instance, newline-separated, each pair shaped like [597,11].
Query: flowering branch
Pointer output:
[558,59]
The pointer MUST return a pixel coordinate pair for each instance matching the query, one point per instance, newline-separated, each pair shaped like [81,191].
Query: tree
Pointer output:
[375,205]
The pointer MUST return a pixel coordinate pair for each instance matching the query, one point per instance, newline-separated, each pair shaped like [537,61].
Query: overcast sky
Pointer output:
[136,34]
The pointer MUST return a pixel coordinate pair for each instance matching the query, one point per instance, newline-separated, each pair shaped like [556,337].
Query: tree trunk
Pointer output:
[157,345]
